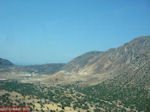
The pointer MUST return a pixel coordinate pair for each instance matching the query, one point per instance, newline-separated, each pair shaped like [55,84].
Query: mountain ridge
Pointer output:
[100,66]
[112,54]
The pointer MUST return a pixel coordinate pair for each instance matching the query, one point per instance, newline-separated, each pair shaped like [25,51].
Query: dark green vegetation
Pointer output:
[50,94]
[113,96]
[109,96]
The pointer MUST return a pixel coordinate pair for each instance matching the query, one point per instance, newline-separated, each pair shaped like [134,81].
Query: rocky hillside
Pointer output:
[95,67]
[99,62]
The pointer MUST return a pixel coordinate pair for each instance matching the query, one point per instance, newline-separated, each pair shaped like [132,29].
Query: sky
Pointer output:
[56,31]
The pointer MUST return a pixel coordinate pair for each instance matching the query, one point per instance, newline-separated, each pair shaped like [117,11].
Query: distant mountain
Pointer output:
[42,69]
[8,70]
[4,62]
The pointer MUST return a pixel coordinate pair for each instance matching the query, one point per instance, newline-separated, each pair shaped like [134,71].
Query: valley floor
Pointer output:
[74,97]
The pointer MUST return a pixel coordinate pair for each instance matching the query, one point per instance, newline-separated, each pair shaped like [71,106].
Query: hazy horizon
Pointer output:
[39,32]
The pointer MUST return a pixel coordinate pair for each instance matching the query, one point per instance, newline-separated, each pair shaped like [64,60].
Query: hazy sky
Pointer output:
[52,31]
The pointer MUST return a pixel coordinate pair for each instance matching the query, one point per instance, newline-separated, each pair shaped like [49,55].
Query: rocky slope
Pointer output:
[99,62]
[99,66]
